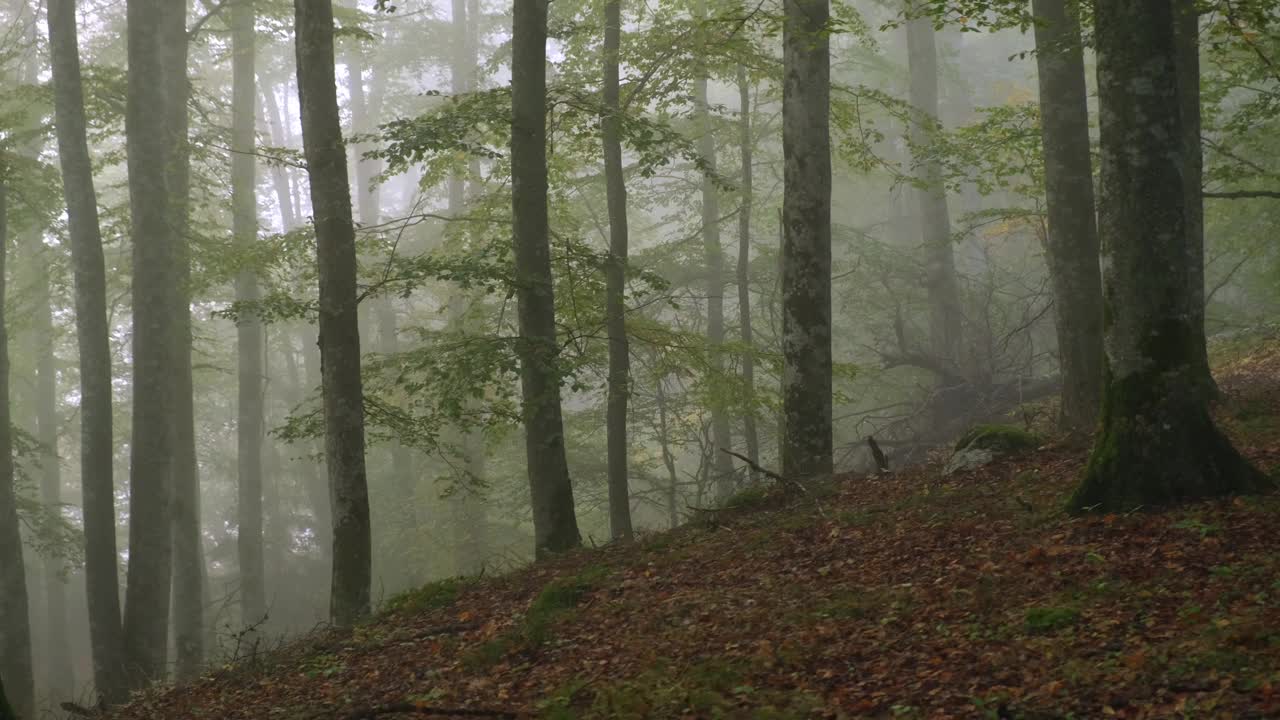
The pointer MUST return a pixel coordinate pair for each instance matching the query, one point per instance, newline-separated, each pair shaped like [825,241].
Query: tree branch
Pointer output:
[1242,194]
[213,11]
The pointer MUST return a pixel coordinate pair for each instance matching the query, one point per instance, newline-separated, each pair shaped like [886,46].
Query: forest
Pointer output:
[639,358]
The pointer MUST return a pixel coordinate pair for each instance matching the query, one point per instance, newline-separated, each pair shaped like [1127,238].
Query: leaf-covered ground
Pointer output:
[901,596]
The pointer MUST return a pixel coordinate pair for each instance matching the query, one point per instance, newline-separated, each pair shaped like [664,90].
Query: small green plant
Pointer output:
[1198,526]
[323,666]
[748,498]
[1050,619]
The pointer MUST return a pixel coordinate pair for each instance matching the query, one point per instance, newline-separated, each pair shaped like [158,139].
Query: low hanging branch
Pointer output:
[408,708]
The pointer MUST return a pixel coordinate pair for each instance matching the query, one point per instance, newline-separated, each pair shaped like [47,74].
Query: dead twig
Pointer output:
[781,479]
[408,708]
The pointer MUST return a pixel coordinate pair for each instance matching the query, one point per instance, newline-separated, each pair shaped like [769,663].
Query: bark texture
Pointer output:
[750,434]
[806,245]
[1072,241]
[339,324]
[251,413]
[102,579]
[615,281]
[1157,443]
[146,614]
[555,524]
[15,623]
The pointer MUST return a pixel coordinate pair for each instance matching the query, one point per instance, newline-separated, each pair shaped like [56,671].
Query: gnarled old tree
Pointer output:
[1158,443]
[555,523]
[806,246]
[1071,245]
[339,322]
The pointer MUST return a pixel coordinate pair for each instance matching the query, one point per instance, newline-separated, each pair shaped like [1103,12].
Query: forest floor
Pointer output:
[908,595]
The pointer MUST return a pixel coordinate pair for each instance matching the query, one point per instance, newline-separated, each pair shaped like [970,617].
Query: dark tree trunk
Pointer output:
[1186,23]
[935,219]
[96,446]
[750,435]
[251,375]
[146,615]
[339,322]
[6,711]
[1157,443]
[806,247]
[1072,243]
[722,464]
[555,524]
[615,281]
[15,622]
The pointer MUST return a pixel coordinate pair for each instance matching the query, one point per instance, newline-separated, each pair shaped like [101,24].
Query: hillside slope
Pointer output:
[904,596]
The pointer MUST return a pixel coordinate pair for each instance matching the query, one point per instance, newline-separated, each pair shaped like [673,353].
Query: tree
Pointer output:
[339,318]
[750,434]
[148,145]
[555,525]
[931,198]
[720,434]
[6,712]
[250,418]
[15,624]
[1072,244]
[96,478]
[615,280]
[806,246]
[1158,443]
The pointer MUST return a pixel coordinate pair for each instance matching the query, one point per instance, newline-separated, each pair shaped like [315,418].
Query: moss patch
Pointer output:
[999,438]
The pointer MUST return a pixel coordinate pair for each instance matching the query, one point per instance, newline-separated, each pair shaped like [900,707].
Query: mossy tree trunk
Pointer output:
[1157,443]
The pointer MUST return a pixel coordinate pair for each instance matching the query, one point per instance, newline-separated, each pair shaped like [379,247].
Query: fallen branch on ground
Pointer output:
[408,708]
[782,479]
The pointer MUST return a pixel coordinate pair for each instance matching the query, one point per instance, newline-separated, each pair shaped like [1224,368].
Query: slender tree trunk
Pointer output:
[615,281]
[146,615]
[722,465]
[15,623]
[60,679]
[1158,443]
[279,176]
[102,582]
[668,458]
[250,420]
[935,220]
[1186,21]
[747,190]
[806,247]
[555,524]
[1072,247]
[6,711]
[339,323]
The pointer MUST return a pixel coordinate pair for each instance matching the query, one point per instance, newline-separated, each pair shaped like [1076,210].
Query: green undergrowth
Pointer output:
[432,596]
[1001,438]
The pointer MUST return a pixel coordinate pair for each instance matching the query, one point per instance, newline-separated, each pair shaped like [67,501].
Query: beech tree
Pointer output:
[806,244]
[1072,243]
[555,521]
[1158,443]
[339,318]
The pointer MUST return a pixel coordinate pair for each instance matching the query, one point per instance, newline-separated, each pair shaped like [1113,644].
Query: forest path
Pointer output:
[904,596]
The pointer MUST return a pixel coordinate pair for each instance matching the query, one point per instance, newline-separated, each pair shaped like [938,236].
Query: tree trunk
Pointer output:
[15,623]
[806,247]
[555,524]
[1072,246]
[279,176]
[751,435]
[935,219]
[146,615]
[722,464]
[1157,443]
[339,324]
[101,561]
[6,711]
[251,412]
[615,281]
[1186,24]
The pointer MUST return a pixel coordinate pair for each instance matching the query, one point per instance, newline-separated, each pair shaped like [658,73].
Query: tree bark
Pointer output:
[555,524]
[1072,245]
[750,434]
[1186,22]
[146,615]
[102,582]
[722,465]
[15,622]
[339,324]
[249,333]
[931,199]
[615,281]
[806,248]
[1158,443]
